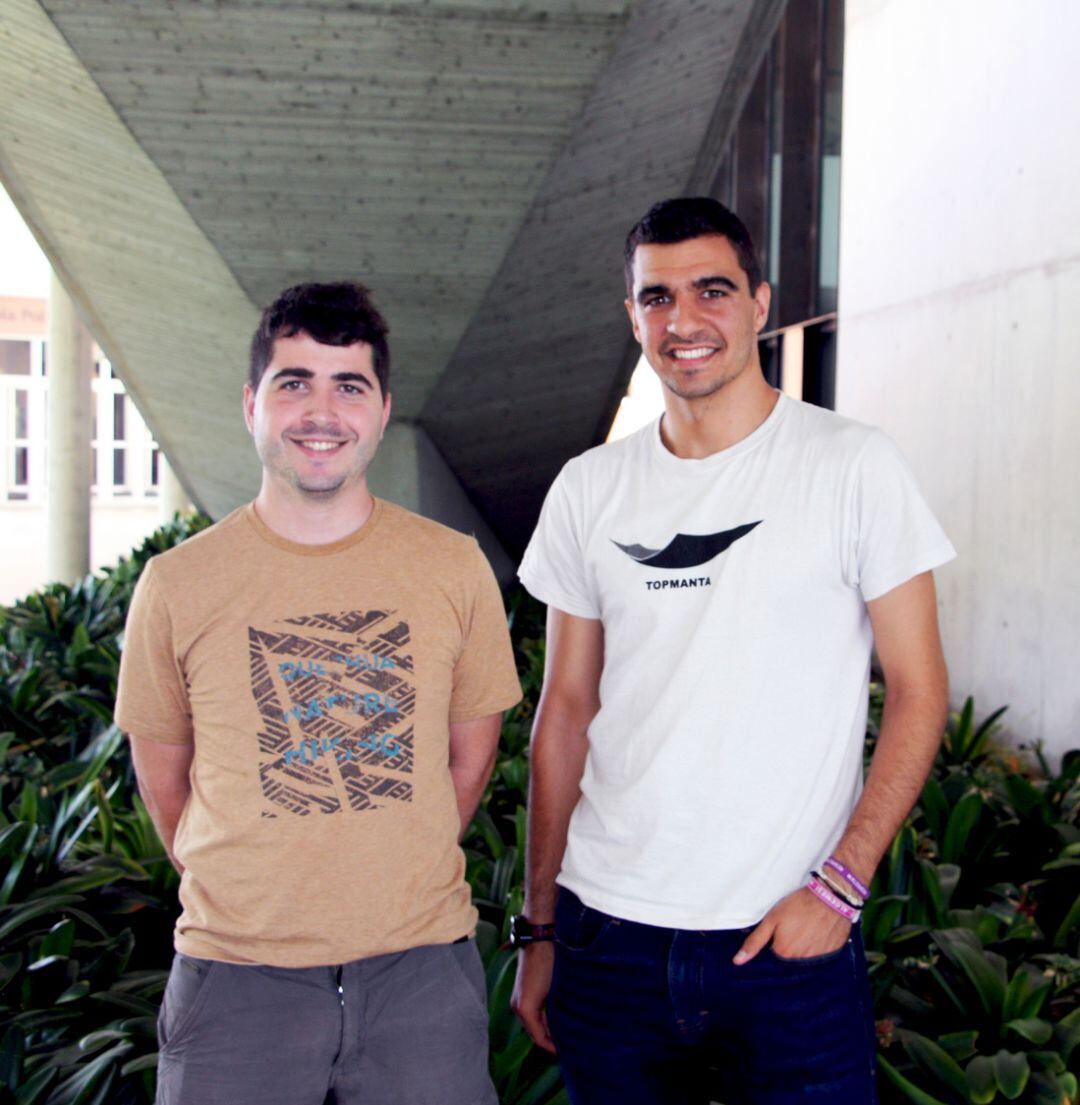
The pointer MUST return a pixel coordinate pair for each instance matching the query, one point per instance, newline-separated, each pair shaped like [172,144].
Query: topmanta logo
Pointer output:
[687,550]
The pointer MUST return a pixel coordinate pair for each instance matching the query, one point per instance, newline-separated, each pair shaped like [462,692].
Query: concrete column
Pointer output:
[69,366]
[410,471]
[174,499]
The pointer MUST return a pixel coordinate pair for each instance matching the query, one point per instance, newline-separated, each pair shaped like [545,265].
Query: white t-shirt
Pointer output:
[726,757]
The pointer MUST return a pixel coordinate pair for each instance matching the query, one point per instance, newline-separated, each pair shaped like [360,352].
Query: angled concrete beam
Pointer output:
[539,373]
[157,296]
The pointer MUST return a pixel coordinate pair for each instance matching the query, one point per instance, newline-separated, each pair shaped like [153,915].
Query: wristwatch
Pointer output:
[523,931]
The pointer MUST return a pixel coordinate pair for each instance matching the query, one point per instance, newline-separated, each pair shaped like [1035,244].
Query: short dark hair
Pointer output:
[333,314]
[685,217]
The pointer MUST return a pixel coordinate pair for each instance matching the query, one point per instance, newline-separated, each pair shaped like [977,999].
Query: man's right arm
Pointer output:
[569,701]
[163,774]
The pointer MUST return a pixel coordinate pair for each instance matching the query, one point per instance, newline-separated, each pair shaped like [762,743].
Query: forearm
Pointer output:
[912,723]
[469,781]
[557,761]
[568,702]
[163,775]
[474,744]
[165,808]
[557,758]
[800,925]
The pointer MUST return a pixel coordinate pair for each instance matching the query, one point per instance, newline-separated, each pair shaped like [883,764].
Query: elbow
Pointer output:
[922,699]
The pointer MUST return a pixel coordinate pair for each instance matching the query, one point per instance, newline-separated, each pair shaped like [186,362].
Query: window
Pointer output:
[19,422]
[782,176]
[15,358]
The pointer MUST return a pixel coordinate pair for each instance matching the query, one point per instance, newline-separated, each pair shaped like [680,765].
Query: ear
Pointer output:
[385,415]
[762,301]
[629,305]
[249,408]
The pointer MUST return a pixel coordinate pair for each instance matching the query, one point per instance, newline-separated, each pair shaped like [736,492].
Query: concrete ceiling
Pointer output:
[477,162]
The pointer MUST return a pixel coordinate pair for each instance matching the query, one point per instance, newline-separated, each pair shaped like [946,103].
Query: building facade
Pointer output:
[127,465]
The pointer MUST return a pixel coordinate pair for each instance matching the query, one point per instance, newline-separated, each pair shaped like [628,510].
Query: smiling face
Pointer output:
[692,312]
[317,417]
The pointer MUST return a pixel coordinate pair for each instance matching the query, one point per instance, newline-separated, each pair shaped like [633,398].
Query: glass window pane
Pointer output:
[776,160]
[118,461]
[22,466]
[155,467]
[22,413]
[15,358]
[119,407]
[829,215]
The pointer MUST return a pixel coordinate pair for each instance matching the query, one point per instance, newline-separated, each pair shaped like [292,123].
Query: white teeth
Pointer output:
[692,354]
[320,446]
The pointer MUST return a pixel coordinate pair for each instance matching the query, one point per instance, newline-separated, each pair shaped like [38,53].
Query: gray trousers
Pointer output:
[402,1029]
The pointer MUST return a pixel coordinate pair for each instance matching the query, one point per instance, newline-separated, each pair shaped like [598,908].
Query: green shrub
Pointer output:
[972,931]
[87,897]
[973,926]
[495,866]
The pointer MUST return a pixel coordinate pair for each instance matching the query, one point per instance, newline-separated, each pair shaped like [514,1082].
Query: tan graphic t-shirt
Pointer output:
[317,683]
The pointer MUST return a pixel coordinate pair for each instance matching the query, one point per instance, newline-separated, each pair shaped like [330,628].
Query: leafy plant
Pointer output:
[495,858]
[972,929]
[82,936]
[86,894]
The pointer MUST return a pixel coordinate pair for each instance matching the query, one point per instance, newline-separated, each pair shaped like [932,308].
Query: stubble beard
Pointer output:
[702,389]
[315,488]
[319,492]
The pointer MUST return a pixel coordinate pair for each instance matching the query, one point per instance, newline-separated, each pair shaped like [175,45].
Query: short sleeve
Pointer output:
[485,678]
[553,568]
[896,535]
[152,699]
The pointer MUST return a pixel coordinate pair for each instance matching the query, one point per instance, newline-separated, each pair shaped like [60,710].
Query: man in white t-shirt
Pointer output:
[700,839]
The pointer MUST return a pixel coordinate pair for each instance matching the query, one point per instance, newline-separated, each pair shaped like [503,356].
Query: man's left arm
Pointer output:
[473,747]
[908,646]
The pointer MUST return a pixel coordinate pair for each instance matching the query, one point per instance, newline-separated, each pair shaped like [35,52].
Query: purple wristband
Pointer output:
[819,890]
[856,883]
[842,892]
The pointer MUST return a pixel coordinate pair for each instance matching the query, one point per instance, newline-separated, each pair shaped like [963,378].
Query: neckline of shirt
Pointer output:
[669,460]
[298,548]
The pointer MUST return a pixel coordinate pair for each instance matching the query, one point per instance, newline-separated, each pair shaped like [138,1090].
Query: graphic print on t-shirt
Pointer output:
[336,701]
[687,550]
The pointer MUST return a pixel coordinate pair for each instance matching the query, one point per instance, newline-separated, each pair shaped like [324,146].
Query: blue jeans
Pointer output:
[654,1016]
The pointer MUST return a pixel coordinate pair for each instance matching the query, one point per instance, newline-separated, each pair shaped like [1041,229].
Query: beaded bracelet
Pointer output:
[838,890]
[819,890]
[857,884]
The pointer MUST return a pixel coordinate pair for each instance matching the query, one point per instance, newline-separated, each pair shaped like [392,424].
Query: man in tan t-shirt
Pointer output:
[313,690]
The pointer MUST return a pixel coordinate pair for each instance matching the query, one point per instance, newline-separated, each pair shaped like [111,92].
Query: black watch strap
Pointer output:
[523,931]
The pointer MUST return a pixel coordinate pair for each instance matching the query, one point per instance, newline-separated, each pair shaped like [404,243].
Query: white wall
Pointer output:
[115,529]
[960,318]
[24,271]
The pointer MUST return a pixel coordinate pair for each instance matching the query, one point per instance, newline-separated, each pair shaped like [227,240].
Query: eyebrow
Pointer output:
[307,374]
[651,289]
[716,281]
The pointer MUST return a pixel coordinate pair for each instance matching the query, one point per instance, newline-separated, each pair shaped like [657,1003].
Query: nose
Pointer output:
[319,407]
[684,319]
